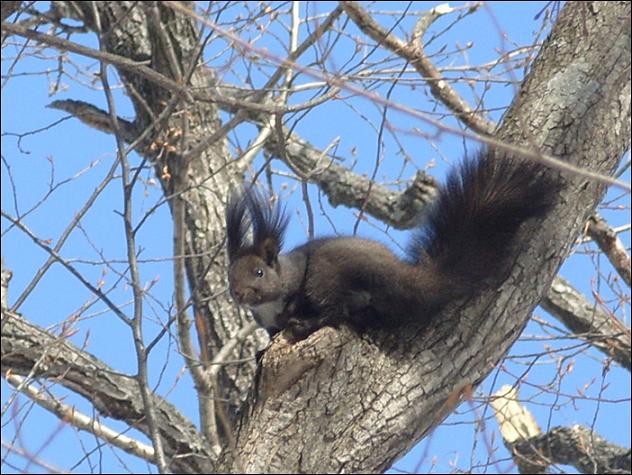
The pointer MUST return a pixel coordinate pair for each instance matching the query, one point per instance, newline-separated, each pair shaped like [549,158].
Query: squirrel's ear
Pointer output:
[236,224]
[269,222]
[268,249]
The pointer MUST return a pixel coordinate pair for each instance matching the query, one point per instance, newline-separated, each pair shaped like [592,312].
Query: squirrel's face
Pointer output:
[253,281]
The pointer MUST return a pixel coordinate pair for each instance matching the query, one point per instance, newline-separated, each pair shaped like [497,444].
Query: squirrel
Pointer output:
[463,245]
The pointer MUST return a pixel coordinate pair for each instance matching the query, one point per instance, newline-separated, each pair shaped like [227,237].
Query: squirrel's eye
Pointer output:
[259,272]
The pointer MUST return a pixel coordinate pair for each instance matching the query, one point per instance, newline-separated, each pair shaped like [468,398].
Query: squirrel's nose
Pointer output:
[237,294]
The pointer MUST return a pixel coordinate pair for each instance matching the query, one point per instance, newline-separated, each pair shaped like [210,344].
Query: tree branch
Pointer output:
[534,452]
[81,421]
[611,245]
[588,321]
[27,349]
[413,52]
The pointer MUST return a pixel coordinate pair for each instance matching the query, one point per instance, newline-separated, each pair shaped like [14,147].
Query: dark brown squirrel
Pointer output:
[463,245]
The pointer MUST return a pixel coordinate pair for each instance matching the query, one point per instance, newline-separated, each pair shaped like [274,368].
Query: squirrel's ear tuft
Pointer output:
[236,224]
[269,222]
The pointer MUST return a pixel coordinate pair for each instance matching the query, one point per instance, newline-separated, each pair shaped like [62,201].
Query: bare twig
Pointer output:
[65,235]
[112,393]
[588,321]
[81,421]
[607,240]
[534,451]
[340,82]
[55,255]
[414,53]
[109,58]
[130,239]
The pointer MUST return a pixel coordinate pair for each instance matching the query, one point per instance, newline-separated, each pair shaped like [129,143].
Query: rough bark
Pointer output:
[577,446]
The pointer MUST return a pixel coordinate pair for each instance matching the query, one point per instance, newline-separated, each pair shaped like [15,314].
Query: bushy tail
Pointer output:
[469,234]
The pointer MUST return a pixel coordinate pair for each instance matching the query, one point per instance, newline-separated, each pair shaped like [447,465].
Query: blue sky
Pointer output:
[71,151]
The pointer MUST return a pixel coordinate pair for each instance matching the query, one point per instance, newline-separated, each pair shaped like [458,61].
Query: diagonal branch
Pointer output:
[27,348]
[588,321]
[413,52]
[534,451]
[577,446]
[109,58]
[82,421]
[611,245]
